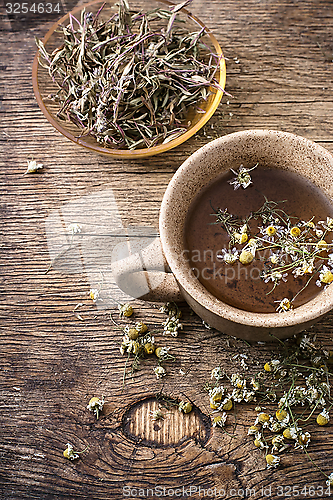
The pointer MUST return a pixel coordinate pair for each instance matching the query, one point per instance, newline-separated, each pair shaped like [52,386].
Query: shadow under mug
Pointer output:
[269,148]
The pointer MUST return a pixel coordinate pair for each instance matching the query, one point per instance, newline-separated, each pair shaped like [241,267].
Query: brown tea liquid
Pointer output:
[241,285]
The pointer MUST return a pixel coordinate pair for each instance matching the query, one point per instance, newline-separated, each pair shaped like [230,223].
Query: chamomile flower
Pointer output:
[303,440]
[253,430]
[284,305]
[69,452]
[240,237]
[125,310]
[295,231]
[246,257]
[157,415]
[159,372]
[74,228]
[272,461]
[243,178]
[278,443]
[33,166]
[323,418]
[329,481]
[185,407]
[220,420]
[263,419]
[217,373]
[230,256]
[258,441]
[172,325]
[275,277]
[328,224]
[325,276]
[96,405]
[94,294]
[305,267]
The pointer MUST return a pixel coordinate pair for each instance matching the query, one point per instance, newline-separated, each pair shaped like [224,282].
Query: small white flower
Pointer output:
[96,405]
[243,178]
[275,276]
[272,461]
[229,256]
[284,305]
[172,325]
[157,415]
[70,453]
[325,277]
[217,373]
[329,481]
[33,166]
[159,372]
[220,420]
[74,228]
[94,294]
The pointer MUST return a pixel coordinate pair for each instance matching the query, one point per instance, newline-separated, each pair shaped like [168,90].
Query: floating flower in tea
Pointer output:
[278,241]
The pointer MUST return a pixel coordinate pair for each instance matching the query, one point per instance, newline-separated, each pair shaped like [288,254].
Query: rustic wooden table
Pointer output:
[56,355]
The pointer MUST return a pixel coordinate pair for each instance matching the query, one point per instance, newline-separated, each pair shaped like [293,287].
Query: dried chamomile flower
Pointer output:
[157,415]
[149,348]
[283,417]
[263,419]
[243,178]
[227,404]
[278,443]
[33,166]
[172,325]
[323,418]
[125,310]
[141,327]
[253,430]
[96,405]
[215,394]
[163,353]
[272,461]
[246,257]
[132,333]
[74,228]
[303,440]
[238,381]
[258,442]
[255,384]
[295,231]
[70,454]
[217,373]
[272,366]
[220,420]
[94,294]
[325,276]
[230,256]
[329,481]
[240,238]
[284,305]
[270,230]
[291,432]
[185,406]
[159,372]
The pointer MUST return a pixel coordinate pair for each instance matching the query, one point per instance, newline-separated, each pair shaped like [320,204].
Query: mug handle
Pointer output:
[139,271]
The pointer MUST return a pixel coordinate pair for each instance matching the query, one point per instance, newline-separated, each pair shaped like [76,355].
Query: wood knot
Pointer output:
[169,427]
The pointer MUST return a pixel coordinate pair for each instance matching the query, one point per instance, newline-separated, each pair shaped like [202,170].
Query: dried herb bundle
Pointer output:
[126,82]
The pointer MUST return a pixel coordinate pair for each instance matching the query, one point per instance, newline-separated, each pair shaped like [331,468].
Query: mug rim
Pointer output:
[188,172]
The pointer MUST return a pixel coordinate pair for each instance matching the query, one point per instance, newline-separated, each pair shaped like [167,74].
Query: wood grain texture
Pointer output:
[279,72]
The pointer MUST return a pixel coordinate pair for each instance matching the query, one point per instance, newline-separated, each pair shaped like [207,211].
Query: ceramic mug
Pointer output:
[269,148]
